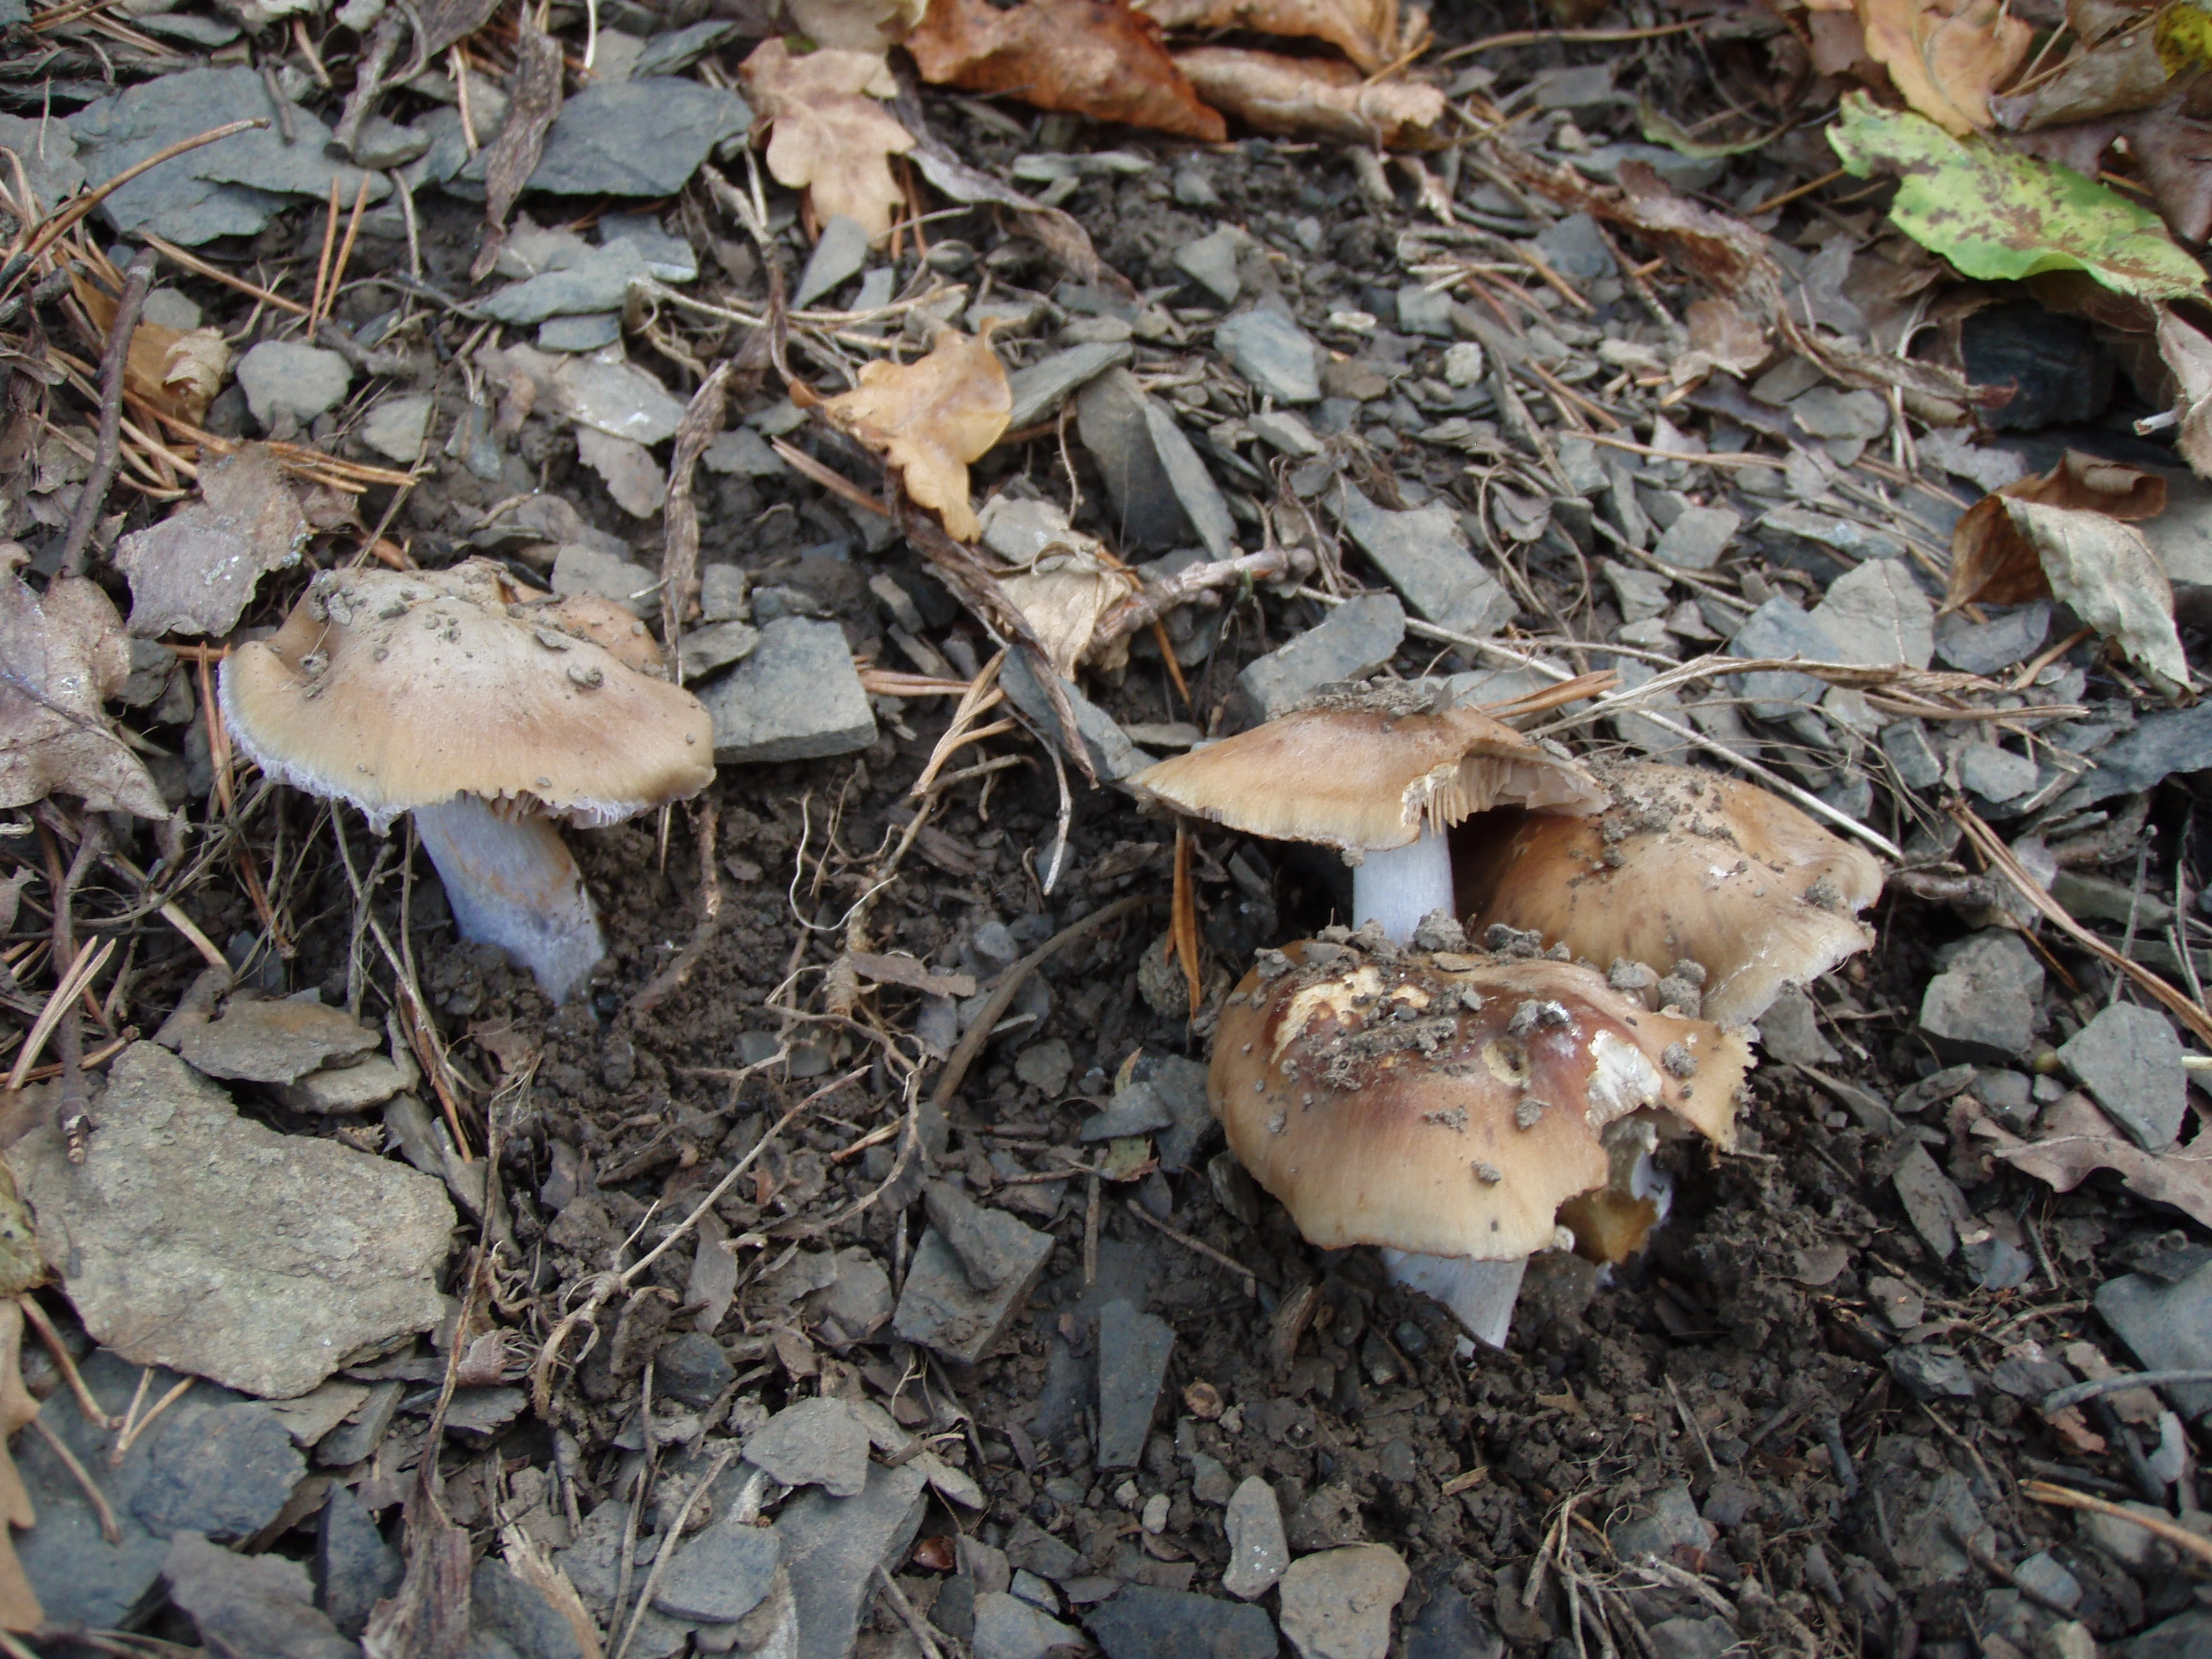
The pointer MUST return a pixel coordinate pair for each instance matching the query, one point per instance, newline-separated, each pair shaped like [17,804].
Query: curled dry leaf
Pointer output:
[1315,97]
[1721,336]
[178,374]
[1993,563]
[869,26]
[1365,31]
[930,418]
[2106,572]
[19,1602]
[2188,355]
[2116,75]
[194,572]
[1100,58]
[1946,57]
[2074,1139]
[829,135]
[61,653]
[1067,584]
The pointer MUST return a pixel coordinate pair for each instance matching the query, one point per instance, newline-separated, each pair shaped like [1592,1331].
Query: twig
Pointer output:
[214,273]
[906,1615]
[605,1286]
[2059,1399]
[135,1425]
[67,1363]
[1158,598]
[979,1032]
[108,1529]
[57,223]
[2000,856]
[114,364]
[1251,1279]
[668,1546]
[2065,1497]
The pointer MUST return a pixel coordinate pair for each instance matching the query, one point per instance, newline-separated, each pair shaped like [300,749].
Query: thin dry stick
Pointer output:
[2189,1013]
[323,264]
[67,1362]
[214,273]
[660,1561]
[58,224]
[125,1441]
[608,1284]
[906,1615]
[81,974]
[345,248]
[2066,1498]
[1251,1279]
[114,364]
[108,1529]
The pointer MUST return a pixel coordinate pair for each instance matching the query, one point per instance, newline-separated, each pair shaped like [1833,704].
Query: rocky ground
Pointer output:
[855,1267]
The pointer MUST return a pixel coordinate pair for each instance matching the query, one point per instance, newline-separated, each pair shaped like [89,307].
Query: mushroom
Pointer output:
[1683,866]
[1445,1106]
[1378,773]
[486,711]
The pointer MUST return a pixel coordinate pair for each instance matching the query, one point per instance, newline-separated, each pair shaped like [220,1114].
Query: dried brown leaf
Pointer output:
[1057,232]
[178,374]
[520,145]
[1365,31]
[195,571]
[1946,57]
[2112,78]
[1100,58]
[1993,563]
[2076,1139]
[829,135]
[930,419]
[19,1602]
[60,654]
[1315,97]
[2170,145]
[1728,339]
[2188,355]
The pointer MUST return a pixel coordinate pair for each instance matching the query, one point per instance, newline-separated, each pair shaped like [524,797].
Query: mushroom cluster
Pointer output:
[1446,1105]
[1712,883]
[1378,773]
[488,711]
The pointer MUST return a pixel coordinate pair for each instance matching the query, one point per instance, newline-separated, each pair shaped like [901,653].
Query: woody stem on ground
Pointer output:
[115,363]
[73,1106]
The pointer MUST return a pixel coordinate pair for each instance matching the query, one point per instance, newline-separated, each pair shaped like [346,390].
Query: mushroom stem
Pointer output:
[512,882]
[1480,1294]
[1398,885]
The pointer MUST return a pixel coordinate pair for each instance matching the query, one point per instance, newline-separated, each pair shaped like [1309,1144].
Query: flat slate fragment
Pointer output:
[1133,1362]
[832,1547]
[643,138]
[721,1575]
[796,697]
[1143,1623]
[820,1441]
[1352,642]
[192,1238]
[942,1310]
[1425,556]
[278,1042]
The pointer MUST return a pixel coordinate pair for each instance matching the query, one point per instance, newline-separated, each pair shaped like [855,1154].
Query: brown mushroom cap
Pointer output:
[1684,863]
[1449,1104]
[396,689]
[1367,770]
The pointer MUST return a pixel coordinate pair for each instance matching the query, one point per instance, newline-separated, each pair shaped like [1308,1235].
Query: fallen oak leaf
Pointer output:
[2076,1140]
[828,134]
[930,419]
[1946,57]
[1994,562]
[1315,97]
[61,654]
[1365,31]
[1100,58]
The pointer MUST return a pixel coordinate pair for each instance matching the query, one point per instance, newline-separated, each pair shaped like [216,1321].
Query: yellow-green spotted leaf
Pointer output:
[2183,33]
[2000,216]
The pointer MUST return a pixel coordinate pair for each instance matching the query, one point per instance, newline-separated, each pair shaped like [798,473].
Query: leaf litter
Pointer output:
[1659,418]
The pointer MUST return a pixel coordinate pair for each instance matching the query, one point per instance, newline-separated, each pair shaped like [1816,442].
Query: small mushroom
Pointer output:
[1447,1106]
[486,711]
[1683,866]
[1379,773]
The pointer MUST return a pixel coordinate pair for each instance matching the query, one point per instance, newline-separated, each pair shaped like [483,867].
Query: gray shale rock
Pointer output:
[193,1238]
[1143,1623]
[1259,1554]
[832,1548]
[940,1307]
[796,697]
[1350,642]
[820,1441]
[1133,1362]
[2129,1059]
[1983,1006]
